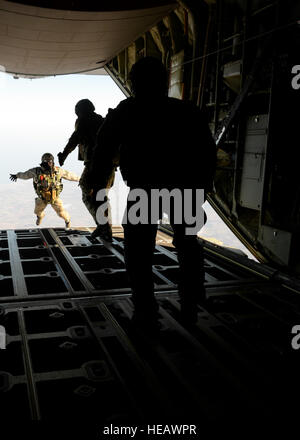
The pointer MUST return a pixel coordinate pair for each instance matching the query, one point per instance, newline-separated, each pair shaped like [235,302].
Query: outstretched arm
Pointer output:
[29,174]
[71,145]
[68,175]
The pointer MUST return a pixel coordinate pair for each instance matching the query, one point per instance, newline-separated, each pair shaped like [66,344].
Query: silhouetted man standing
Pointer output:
[87,125]
[162,144]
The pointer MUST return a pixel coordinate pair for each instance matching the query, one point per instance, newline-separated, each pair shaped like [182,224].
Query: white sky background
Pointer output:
[37,116]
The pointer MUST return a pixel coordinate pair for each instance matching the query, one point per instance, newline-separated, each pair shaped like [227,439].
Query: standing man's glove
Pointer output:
[61,159]
[13,177]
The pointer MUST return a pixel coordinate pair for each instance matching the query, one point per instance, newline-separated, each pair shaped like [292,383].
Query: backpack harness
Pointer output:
[48,186]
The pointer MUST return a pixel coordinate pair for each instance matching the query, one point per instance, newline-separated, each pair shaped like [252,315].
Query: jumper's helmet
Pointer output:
[47,157]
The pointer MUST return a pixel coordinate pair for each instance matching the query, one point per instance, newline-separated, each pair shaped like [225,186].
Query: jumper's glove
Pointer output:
[61,159]
[13,177]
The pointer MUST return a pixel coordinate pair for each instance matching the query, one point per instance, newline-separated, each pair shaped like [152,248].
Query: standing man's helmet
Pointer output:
[83,107]
[46,157]
[148,76]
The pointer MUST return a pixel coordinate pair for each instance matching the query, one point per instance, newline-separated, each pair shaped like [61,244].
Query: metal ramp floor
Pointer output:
[72,355]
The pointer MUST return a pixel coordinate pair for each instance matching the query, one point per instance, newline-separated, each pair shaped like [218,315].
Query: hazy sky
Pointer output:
[37,116]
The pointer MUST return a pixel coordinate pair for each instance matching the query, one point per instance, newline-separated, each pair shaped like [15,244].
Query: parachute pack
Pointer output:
[48,186]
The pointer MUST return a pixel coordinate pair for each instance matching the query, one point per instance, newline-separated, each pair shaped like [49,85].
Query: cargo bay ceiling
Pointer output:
[41,38]
[236,59]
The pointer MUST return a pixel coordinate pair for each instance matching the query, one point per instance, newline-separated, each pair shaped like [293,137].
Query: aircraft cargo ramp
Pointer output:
[72,355]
